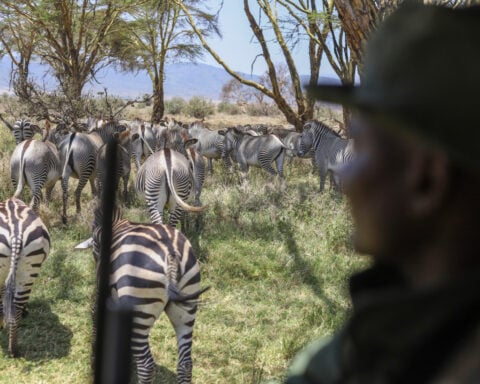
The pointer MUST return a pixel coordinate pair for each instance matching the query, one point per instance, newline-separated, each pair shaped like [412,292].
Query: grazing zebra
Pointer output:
[38,163]
[22,129]
[166,178]
[331,151]
[24,245]
[259,151]
[210,144]
[153,269]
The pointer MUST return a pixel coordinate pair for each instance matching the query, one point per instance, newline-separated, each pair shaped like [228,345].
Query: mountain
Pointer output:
[182,79]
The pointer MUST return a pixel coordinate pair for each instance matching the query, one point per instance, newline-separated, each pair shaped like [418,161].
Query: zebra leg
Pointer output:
[182,317]
[279,162]
[143,359]
[36,186]
[323,175]
[210,166]
[65,178]
[82,181]
[48,193]
[156,200]
[93,186]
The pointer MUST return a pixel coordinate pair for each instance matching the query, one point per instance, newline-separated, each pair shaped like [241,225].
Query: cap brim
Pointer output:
[339,94]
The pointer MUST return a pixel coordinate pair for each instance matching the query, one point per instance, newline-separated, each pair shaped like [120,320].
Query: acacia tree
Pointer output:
[72,39]
[323,30]
[157,33]
[270,24]
[360,17]
[18,39]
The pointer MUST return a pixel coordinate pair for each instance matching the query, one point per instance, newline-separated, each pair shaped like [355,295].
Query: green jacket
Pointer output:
[400,335]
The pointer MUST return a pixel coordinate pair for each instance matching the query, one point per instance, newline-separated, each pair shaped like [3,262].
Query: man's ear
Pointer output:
[428,181]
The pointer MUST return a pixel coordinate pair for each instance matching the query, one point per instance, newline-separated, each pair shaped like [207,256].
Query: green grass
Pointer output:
[277,263]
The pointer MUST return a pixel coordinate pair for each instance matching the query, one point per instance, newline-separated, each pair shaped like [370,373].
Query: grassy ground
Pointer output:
[277,263]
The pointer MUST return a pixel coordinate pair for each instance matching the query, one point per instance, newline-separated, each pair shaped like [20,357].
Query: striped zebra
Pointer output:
[153,269]
[23,129]
[38,163]
[24,245]
[166,179]
[79,158]
[210,144]
[258,151]
[123,163]
[331,151]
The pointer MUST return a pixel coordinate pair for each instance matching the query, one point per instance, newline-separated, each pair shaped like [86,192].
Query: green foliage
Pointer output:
[175,106]
[199,108]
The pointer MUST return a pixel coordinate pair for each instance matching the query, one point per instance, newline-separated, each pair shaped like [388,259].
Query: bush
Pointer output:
[175,106]
[199,108]
[228,108]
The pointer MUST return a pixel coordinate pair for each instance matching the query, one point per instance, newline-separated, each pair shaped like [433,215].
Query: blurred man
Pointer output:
[414,190]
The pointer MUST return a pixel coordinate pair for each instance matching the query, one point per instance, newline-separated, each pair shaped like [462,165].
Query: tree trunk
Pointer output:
[158,98]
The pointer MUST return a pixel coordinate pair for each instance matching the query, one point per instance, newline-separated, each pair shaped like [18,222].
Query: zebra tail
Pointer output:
[173,292]
[171,186]
[9,310]
[68,155]
[21,171]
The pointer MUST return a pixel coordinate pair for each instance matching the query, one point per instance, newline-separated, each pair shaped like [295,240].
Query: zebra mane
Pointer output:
[322,127]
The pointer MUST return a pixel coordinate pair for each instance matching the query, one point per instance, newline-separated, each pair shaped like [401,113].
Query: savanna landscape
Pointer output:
[277,264]
[277,260]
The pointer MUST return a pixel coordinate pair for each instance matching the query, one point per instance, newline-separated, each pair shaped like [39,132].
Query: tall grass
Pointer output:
[277,263]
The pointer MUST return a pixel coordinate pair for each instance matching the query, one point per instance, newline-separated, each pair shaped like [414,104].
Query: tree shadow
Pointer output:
[308,278]
[40,334]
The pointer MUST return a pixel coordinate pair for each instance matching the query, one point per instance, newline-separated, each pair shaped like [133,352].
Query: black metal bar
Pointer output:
[113,322]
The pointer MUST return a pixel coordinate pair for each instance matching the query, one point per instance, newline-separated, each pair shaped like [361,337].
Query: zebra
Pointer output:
[331,151]
[153,269]
[22,130]
[259,151]
[123,162]
[79,157]
[210,144]
[24,246]
[166,177]
[38,163]
[144,142]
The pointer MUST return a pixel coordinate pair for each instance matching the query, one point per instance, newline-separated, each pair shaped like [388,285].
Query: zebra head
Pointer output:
[231,139]
[305,141]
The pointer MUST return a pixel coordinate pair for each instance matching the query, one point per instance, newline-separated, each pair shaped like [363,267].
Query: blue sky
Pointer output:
[238,49]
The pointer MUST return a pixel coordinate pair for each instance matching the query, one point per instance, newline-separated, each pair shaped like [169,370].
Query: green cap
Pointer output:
[422,73]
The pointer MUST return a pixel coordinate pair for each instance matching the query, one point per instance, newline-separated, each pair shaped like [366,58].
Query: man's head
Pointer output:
[418,136]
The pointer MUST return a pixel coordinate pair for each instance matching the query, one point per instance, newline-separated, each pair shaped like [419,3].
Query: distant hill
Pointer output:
[183,79]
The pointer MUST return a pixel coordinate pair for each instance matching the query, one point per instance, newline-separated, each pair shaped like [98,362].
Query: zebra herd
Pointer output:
[154,267]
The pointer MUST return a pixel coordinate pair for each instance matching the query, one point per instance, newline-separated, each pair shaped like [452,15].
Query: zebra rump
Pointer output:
[24,246]
[153,269]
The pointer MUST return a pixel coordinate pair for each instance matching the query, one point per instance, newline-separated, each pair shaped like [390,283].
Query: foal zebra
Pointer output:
[153,269]
[24,245]
[331,151]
